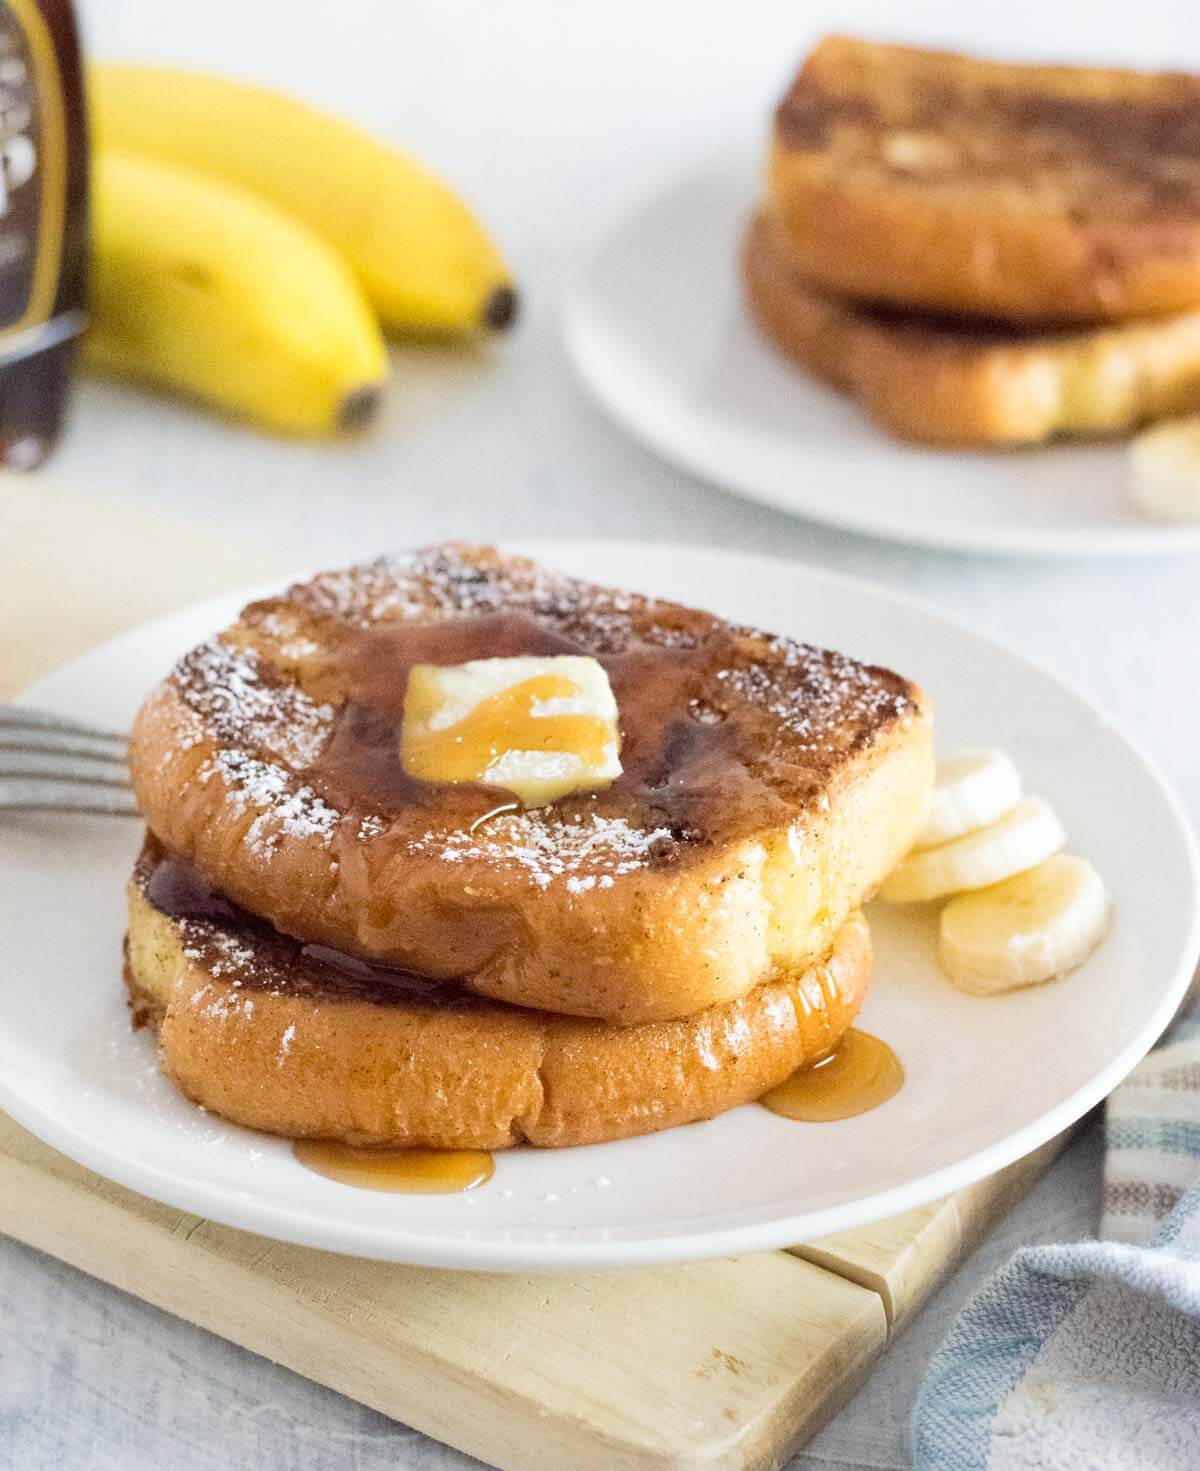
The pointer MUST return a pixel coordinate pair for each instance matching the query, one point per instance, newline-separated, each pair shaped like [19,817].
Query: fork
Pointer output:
[50,763]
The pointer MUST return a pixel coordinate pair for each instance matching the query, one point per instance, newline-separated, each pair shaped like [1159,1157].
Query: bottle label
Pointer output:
[32,172]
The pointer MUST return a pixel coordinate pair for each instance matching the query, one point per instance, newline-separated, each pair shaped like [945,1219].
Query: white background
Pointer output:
[554,118]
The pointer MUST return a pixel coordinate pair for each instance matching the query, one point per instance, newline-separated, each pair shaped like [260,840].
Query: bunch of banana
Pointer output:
[246,248]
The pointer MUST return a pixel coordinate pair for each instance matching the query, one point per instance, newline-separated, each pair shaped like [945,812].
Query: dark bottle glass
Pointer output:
[43,222]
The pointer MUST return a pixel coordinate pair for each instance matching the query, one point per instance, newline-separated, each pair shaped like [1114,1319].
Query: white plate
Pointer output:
[988,1080]
[658,331]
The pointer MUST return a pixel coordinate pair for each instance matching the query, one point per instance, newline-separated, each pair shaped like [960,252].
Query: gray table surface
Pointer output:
[554,121]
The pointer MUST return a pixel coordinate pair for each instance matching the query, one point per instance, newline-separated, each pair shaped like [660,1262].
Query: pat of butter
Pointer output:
[539,727]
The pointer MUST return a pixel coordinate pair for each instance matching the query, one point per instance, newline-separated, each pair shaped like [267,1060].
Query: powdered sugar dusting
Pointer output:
[231,955]
[781,716]
[297,814]
[285,805]
[585,852]
[241,702]
[363,594]
[285,630]
[241,962]
[259,726]
[818,697]
[285,1043]
[453,581]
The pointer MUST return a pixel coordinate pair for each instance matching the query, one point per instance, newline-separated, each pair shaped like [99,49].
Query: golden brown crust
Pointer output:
[928,179]
[258,1029]
[768,788]
[965,384]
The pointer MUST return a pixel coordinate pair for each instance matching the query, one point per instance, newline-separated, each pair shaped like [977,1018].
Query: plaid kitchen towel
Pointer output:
[1087,1357]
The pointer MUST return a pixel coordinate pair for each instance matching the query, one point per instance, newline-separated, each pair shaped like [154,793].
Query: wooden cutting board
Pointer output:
[725,1364]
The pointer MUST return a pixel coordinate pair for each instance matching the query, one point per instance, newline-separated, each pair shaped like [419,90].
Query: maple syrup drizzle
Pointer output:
[689,763]
[403,1171]
[464,751]
[860,1075]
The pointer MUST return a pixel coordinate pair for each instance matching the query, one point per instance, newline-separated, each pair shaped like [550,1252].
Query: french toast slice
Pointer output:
[969,384]
[767,789]
[928,179]
[293,1040]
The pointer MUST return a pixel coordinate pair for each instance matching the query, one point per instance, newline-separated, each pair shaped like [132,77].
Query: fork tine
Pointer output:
[39,794]
[62,743]
[63,766]
[18,717]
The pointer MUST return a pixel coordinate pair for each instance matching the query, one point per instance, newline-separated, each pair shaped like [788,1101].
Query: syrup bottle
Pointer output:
[43,222]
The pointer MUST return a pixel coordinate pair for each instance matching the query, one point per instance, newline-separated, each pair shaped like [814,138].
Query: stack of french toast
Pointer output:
[984,253]
[452,851]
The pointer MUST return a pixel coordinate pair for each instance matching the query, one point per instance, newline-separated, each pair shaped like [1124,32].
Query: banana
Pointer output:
[418,252]
[971,789]
[202,287]
[1033,927]
[1024,836]
[1164,472]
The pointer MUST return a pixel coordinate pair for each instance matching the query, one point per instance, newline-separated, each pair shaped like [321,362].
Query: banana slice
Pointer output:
[1164,472]
[972,788]
[1024,836]
[1033,927]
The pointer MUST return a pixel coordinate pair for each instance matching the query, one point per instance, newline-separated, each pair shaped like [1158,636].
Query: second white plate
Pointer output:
[658,331]
[987,1080]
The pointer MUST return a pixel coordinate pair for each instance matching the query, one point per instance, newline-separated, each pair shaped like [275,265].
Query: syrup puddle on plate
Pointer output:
[403,1171]
[863,1073]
